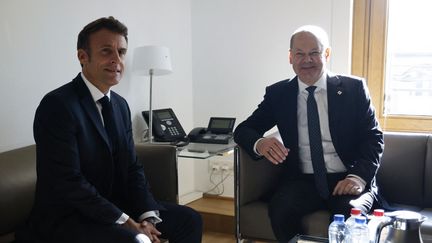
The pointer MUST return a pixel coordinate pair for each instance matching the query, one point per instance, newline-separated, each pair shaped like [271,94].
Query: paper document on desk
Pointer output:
[195,154]
[210,148]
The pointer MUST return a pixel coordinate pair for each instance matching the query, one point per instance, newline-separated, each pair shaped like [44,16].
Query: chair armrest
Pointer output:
[428,175]
[254,178]
[160,167]
[17,188]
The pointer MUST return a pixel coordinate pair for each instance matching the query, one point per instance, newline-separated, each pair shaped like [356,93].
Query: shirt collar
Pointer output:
[95,92]
[321,84]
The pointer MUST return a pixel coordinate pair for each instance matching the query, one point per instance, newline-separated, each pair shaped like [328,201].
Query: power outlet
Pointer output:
[220,167]
[225,168]
[214,167]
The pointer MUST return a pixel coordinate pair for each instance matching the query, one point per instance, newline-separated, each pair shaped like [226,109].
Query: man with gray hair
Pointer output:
[331,140]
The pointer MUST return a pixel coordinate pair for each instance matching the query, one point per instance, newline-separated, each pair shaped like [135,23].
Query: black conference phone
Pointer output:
[166,126]
[219,131]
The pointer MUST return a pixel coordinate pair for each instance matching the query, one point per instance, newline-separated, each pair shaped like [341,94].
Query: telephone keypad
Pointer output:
[173,131]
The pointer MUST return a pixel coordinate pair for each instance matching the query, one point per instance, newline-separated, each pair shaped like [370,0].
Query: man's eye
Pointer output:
[106,51]
[299,54]
[315,53]
[122,52]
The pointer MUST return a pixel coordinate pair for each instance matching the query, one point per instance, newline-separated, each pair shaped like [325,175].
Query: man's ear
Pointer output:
[83,56]
[290,57]
[327,53]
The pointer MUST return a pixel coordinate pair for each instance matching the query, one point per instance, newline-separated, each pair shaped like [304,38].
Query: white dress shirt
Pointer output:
[332,161]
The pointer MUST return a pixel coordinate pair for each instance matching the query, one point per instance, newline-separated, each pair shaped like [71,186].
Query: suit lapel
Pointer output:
[288,110]
[90,108]
[117,116]
[335,97]
[293,100]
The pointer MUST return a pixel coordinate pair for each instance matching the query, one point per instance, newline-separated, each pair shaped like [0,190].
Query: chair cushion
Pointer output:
[402,162]
[317,223]
[17,186]
[252,213]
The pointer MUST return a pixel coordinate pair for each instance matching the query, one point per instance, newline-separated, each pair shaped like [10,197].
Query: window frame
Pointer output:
[368,60]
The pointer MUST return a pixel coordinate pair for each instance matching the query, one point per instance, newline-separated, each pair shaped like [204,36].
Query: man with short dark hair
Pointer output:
[90,186]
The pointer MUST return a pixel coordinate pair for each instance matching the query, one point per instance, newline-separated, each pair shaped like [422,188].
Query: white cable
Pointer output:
[216,186]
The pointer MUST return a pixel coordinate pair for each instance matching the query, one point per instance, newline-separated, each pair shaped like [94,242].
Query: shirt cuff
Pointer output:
[142,238]
[151,214]
[357,179]
[123,218]
[254,147]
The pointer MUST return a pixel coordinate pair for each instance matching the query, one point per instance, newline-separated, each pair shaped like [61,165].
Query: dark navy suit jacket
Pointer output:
[354,129]
[77,178]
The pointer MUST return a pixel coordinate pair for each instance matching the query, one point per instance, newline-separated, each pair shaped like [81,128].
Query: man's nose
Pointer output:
[308,57]
[115,58]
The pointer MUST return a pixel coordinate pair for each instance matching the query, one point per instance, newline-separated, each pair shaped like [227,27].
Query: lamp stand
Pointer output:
[151,61]
[150,108]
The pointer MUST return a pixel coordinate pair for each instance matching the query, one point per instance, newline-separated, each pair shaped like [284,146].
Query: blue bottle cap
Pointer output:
[360,219]
[339,218]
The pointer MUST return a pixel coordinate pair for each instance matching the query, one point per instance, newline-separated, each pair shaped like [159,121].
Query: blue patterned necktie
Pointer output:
[315,142]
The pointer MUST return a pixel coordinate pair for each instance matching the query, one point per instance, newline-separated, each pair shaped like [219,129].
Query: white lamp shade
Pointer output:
[156,58]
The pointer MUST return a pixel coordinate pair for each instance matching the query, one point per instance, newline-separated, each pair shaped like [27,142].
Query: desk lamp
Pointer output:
[151,61]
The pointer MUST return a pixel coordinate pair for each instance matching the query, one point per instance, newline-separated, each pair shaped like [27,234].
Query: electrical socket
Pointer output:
[215,167]
[219,166]
[225,167]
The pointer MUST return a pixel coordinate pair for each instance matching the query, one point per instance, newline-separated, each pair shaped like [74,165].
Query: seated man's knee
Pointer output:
[195,218]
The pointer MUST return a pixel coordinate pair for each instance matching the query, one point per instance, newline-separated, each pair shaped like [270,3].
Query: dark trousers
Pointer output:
[180,224]
[297,198]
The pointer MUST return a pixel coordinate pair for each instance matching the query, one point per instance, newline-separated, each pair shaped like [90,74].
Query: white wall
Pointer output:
[241,46]
[38,46]
[224,53]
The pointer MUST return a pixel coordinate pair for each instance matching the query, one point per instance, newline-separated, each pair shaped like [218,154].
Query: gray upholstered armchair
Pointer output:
[404,179]
[254,179]
[18,179]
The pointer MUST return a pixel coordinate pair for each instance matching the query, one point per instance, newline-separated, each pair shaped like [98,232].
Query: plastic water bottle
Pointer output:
[374,222]
[360,231]
[336,230]
[355,212]
[349,223]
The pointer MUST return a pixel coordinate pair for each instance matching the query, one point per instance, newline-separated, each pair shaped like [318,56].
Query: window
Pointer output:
[392,49]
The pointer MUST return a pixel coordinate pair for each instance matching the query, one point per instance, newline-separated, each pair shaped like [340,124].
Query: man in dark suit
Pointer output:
[331,141]
[90,186]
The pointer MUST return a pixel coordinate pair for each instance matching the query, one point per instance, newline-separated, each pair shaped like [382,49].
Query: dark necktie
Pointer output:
[108,119]
[315,142]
